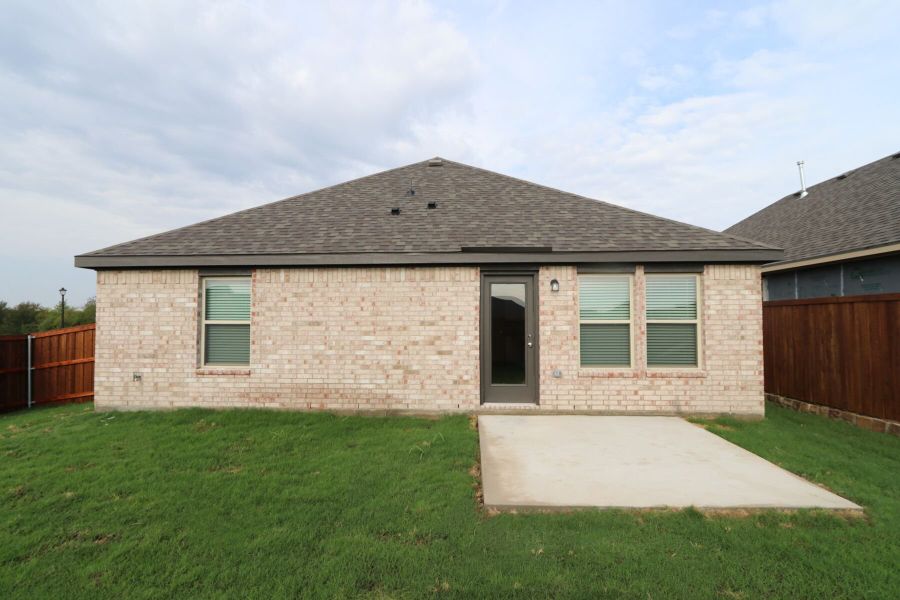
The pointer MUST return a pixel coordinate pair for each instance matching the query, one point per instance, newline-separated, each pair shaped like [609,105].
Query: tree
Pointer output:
[89,312]
[23,318]
[31,317]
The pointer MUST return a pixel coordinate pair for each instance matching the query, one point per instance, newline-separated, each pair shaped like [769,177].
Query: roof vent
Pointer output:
[895,155]
[436,162]
[803,191]
[843,175]
[395,211]
[411,191]
[432,205]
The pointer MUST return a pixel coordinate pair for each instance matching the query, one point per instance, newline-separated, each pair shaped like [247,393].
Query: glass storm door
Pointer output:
[508,339]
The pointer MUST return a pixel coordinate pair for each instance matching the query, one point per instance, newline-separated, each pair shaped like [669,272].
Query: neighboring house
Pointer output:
[832,323]
[433,287]
[842,238]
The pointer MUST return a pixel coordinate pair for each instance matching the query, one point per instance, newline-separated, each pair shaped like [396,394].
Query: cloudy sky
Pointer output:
[120,119]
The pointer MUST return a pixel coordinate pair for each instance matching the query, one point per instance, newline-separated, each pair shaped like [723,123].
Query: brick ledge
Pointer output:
[212,372]
[862,421]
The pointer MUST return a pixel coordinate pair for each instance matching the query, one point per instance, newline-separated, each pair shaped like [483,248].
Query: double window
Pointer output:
[225,339]
[606,321]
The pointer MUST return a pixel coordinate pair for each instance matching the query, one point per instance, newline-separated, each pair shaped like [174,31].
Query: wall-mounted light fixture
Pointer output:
[554,286]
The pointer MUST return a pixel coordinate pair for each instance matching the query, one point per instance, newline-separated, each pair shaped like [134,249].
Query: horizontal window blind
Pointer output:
[671,297]
[672,320]
[227,344]
[671,344]
[228,300]
[604,298]
[605,315]
[606,344]
[226,322]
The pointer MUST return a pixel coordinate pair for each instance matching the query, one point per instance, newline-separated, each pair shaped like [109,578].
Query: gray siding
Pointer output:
[879,275]
[876,276]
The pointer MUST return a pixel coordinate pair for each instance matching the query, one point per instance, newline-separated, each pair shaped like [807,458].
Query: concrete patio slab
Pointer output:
[630,462]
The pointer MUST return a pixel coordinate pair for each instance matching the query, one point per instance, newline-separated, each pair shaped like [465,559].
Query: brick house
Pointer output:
[433,287]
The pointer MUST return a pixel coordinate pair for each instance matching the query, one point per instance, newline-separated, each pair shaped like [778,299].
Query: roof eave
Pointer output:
[812,261]
[753,256]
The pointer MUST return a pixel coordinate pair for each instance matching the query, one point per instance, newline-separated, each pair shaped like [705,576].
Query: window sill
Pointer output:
[664,372]
[638,373]
[214,371]
[608,372]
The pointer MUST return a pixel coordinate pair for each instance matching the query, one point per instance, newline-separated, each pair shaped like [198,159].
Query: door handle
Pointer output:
[530,344]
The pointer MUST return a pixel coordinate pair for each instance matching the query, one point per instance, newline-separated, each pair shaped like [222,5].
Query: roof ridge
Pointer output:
[811,188]
[850,171]
[610,204]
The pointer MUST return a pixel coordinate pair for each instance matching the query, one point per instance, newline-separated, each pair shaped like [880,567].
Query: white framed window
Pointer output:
[225,335]
[605,320]
[673,323]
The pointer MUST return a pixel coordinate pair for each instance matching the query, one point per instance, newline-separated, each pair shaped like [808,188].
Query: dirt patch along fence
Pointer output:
[841,352]
[61,367]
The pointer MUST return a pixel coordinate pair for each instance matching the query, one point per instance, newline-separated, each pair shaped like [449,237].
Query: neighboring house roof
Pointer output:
[480,216]
[856,210]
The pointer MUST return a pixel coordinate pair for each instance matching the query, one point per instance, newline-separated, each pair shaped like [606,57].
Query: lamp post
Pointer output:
[62,307]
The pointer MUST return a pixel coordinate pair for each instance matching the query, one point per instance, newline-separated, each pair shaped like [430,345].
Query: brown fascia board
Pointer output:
[824,259]
[88,261]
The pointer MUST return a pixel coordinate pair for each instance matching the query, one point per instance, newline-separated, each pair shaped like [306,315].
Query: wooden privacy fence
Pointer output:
[62,367]
[841,352]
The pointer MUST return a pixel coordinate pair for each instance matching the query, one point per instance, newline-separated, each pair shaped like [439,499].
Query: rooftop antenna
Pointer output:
[803,191]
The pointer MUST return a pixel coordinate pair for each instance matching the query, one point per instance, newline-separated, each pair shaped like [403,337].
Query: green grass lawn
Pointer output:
[253,504]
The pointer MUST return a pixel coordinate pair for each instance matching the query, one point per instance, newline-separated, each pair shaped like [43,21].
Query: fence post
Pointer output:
[28,371]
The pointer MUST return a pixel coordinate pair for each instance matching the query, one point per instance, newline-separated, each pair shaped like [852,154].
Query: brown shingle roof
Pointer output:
[476,208]
[856,210]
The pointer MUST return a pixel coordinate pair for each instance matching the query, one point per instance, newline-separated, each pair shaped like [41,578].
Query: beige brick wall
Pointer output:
[402,339]
[730,377]
[381,338]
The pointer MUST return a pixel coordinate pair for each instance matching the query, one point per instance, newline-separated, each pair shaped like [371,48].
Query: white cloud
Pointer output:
[708,21]
[836,24]
[766,68]
[754,16]
[121,119]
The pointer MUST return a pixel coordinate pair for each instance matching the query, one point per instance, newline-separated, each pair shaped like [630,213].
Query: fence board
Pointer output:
[839,352]
[62,367]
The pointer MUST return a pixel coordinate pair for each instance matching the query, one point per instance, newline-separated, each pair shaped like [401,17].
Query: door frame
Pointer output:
[532,359]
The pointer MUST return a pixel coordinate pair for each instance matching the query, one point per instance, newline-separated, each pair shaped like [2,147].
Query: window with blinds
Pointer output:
[672,322]
[605,320]
[226,321]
